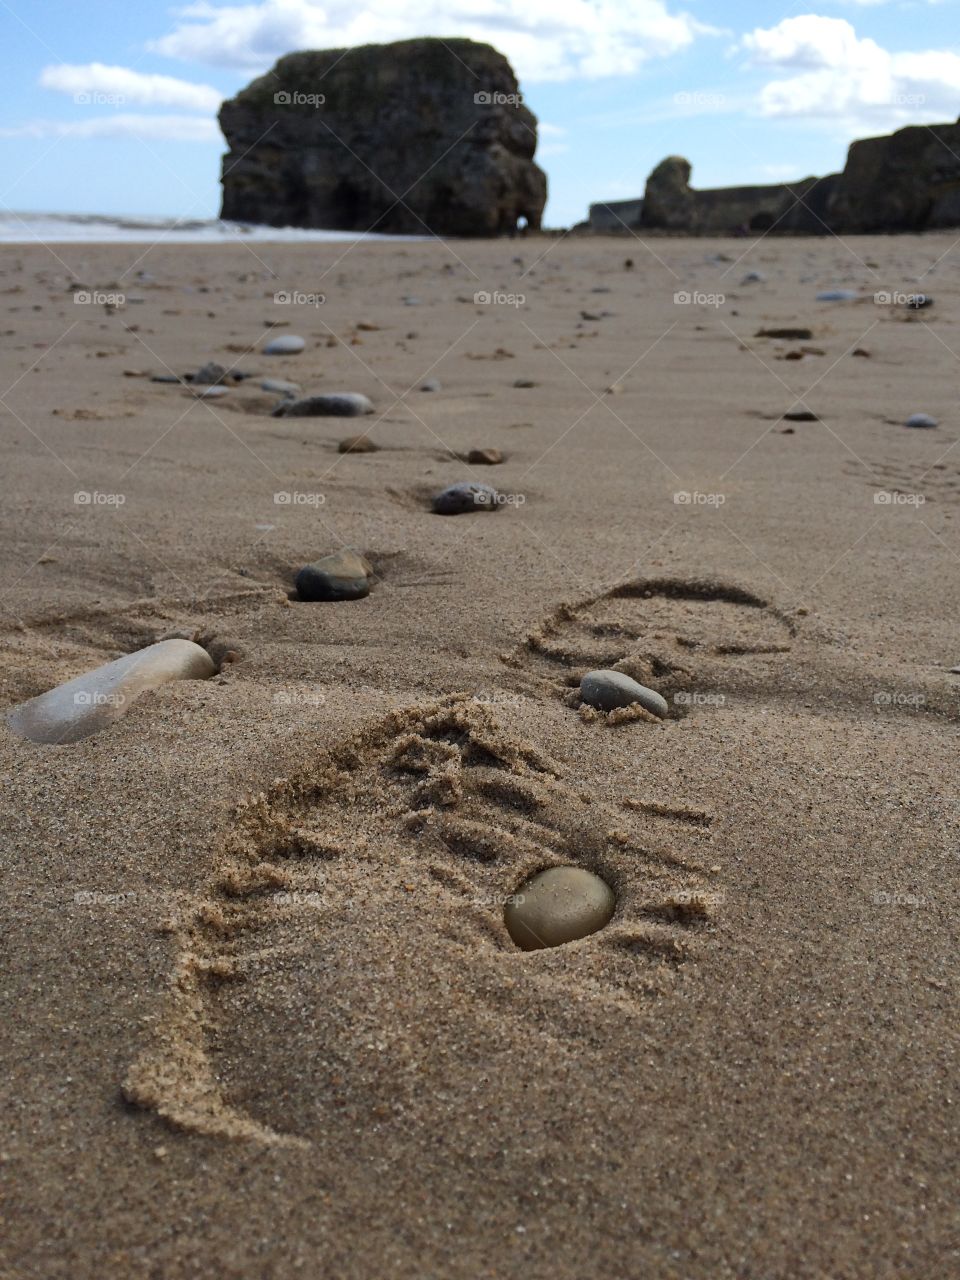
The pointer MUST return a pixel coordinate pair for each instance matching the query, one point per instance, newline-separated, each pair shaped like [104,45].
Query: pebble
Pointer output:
[801,415]
[411,302]
[791,335]
[288,344]
[606,690]
[165,377]
[208,374]
[341,576]
[485,457]
[431,384]
[524,382]
[466,496]
[93,701]
[754,277]
[346,404]
[357,444]
[919,302]
[921,420]
[837,295]
[281,386]
[209,393]
[558,905]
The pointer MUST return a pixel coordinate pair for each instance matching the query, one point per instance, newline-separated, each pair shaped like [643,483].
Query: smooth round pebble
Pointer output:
[485,457]
[558,905]
[467,496]
[339,405]
[607,690]
[341,576]
[288,344]
[921,420]
[281,386]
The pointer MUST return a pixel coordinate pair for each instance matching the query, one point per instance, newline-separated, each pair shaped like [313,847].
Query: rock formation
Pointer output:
[907,181]
[414,137]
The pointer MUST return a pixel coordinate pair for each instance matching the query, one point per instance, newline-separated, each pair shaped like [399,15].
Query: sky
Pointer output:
[110,107]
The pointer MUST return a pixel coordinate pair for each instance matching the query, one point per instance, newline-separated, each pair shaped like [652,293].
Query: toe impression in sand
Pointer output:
[558,905]
[93,701]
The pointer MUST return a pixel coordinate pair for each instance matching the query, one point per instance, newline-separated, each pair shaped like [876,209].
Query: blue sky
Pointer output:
[111,108]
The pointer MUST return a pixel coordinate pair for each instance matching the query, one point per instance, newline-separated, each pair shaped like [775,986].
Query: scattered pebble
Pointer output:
[341,576]
[209,374]
[861,351]
[346,404]
[165,377]
[357,444]
[800,415]
[790,335]
[485,457]
[431,384]
[921,420]
[281,386]
[288,344]
[558,905]
[466,496]
[920,301]
[837,295]
[411,302]
[606,690]
[209,393]
[754,277]
[524,382]
[91,702]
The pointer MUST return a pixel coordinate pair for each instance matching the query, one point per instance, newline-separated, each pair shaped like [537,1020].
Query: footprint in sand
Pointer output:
[383,857]
[686,638]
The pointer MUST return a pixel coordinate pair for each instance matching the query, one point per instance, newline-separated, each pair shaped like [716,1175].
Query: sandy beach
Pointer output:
[262,1016]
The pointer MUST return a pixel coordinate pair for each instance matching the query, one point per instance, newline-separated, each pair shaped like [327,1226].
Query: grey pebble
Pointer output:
[288,344]
[921,420]
[281,386]
[606,690]
[346,404]
[468,495]
[431,384]
[837,295]
[209,374]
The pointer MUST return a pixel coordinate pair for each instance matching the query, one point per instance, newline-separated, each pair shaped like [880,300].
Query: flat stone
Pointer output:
[281,386]
[339,405]
[558,905]
[837,295]
[93,701]
[485,457]
[789,335]
[921,420]
[166,377]
[357,444]
[607,690]
[209,393]
[344,575]
[287,344]
[431,384]
[209,374]
[801,415]
[524,382]
[464,497]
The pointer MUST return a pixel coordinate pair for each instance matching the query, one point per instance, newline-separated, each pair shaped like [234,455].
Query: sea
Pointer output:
[91,228]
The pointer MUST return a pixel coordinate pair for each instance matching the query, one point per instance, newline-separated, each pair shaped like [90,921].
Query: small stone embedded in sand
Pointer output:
[524,382]
[431,384]
[918,301]
[800,415]
[357,444]
[91,702]
[468,495]
[209,374]
[347,404]
[485,457]
[344,575]
[281,386]
[288,344]
[754,277]
[921,420]
[558,905]
[837,295]
[209,393]
[790,335]
[607,690]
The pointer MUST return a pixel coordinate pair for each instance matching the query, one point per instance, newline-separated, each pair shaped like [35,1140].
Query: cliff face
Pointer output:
[417,136]
[907,181]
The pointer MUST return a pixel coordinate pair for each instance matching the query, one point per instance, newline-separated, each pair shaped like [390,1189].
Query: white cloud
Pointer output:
[544,40]
[854,83]
[154,128]
[123,85]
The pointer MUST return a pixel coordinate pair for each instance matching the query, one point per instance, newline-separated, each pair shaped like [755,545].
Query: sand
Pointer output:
[261,1013]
